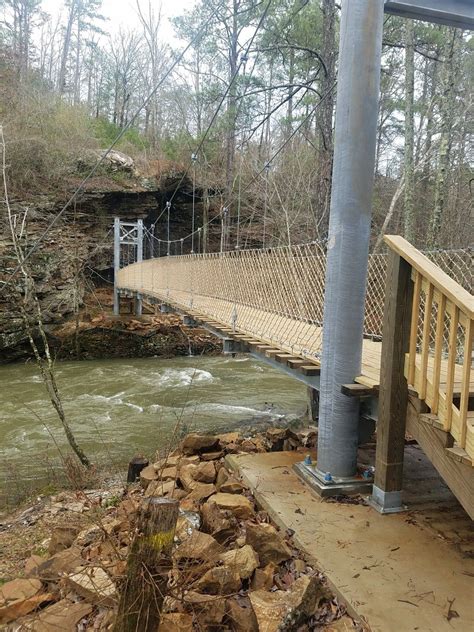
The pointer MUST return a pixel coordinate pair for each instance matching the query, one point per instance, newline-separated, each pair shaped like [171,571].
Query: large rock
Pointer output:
[199,546]
[62,538]
[160,488]
[222,476]
[195,443]
[168,473]
[209,609]
[176,622]
[63,616]
[265,540]
[186,477]
[263,577]
[220,580]
[202,491]
[244,561]
[148,475]
[60,564]
[232,486]
[205,472]
[272,608]
[219,523]
[239,505]
[94,585]
[20,597]
[241,615]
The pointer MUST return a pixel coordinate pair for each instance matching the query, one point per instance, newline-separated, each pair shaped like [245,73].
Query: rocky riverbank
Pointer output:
[230,568]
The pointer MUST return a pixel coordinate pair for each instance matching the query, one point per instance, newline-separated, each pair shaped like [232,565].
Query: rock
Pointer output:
[205,472]
[199,546]
[202,491]
[229,437]
[243,560]
[299,566]
[247,445]
[147,475]
[232,486]
[177,460]
[187,523]
[176,622]
[20,597]
[209,609]
[222,476]
[186,477]
[267,543]
[263,577]
[62,538]
[195,443]
[240,506]
[63,616]
[308,437]
[276,437]
[241,615]
[212,456]
[32,564]
[220,580]
[94,585]
[272,608]
[62,563]
[159,488]
[89,535]
[344,624]
[219,523]
[168,473]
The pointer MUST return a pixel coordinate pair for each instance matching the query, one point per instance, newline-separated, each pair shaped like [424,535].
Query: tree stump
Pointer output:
[136,465]
[148,564]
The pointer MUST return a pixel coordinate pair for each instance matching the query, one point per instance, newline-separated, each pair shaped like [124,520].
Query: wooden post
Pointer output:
[393,397]
[148,564]
[136,465]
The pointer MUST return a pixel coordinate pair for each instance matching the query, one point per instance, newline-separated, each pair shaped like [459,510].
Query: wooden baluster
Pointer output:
[414,329]
[466,374]
[453,332]
[425,343]
[438,352]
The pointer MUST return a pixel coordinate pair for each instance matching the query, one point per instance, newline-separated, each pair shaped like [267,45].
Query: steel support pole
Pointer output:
[349,231]
[138,299]
[116,264]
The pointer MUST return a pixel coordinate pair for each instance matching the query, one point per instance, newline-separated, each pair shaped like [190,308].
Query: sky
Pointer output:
[124,13]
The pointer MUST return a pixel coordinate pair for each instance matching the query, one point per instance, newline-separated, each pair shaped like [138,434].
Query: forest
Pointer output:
[247,112]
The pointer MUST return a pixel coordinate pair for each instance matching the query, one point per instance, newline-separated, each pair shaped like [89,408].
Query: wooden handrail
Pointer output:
[447,286]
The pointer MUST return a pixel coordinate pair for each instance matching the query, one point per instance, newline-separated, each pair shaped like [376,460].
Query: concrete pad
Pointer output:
[394,572]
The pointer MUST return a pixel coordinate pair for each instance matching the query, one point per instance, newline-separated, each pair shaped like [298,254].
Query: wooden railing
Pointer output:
[438,364]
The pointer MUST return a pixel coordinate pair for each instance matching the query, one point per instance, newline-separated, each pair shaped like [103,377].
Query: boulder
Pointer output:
[272,608]
[20,597]
[212,456]
[209,609]
[147,475]
[239,505]
[205,472]
[247,445]
[221,524]
[267,543]
[89,535]
[241,615]
[168,473]
[222,476]
[62,538]
[202,491]
[195,443]
[159,488]
[199,546]
[94,585]
[263,577]
[176,622]
[63,616]
[232,486]
[244,561]
[186,477]
[62,563]
[220,580]
[32,564]
[229,437]
[276,438]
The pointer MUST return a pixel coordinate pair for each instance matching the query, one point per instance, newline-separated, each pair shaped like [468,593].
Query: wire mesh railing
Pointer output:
[275,294]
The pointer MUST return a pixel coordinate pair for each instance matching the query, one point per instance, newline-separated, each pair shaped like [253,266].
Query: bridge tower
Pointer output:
[128,237]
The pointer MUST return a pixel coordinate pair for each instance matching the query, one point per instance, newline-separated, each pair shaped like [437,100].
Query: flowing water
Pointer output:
[118,408]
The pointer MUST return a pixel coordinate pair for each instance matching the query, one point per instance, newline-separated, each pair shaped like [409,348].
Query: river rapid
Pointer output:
[118,408]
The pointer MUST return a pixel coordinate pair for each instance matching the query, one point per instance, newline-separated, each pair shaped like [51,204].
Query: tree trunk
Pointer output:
[148,564]
[409,216]
[66,47]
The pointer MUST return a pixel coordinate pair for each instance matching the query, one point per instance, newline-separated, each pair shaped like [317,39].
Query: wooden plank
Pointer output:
[466,375]
[283,358]
[357,390]
[367,381]
[447,286]
[414,328]
[271,353]
[459,454]
[425,342]
[393,398]
[438,351]
[295,364]
[453,334]
[309,369]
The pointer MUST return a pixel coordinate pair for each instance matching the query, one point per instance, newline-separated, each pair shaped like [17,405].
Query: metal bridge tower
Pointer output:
[127,234]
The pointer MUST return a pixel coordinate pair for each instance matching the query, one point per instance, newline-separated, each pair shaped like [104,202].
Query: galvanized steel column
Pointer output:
[138,299]
[116,264]
[349,231]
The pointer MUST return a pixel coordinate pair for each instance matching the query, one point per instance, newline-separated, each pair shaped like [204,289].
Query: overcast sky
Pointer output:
[124,12]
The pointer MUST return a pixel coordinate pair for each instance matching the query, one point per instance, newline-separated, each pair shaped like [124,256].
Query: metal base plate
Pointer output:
[341,486]
[386,502]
